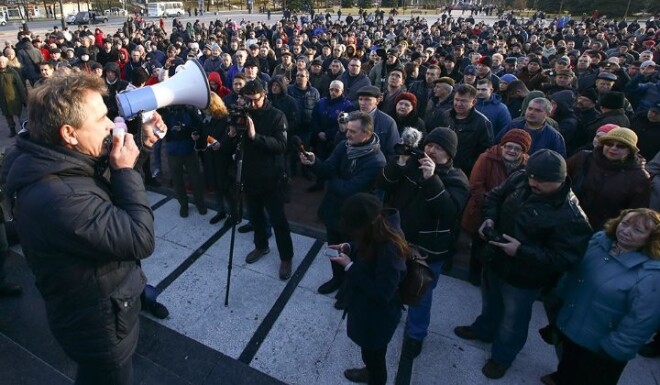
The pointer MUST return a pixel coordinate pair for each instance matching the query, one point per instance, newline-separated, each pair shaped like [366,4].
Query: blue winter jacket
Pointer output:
[611,302]
[496,111]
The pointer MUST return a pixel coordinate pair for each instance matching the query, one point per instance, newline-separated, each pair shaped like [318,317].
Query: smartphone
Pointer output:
[328,252]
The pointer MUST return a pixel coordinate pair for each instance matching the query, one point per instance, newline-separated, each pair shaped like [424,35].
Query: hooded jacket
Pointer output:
[566,117]
[114,88]
[283,101]
[83,235]
[222,91]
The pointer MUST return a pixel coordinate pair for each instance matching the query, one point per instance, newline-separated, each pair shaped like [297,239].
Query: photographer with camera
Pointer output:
[261,131]
[536,231]
[430,195]
[351,168]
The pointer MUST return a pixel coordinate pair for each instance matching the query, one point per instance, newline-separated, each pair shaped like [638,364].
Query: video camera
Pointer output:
[410,139]
[238,114]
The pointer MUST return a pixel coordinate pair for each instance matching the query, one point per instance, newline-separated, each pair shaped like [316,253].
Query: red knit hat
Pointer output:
[518,136]
[605,128]
[409,97]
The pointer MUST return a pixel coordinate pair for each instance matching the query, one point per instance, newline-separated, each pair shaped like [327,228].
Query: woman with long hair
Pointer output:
[375,265]
[610,301]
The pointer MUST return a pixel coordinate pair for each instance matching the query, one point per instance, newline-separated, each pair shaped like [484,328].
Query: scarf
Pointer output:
[363,149]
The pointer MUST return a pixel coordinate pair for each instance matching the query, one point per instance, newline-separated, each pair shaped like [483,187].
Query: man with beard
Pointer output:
[532,75]
[335,71]
[585,108]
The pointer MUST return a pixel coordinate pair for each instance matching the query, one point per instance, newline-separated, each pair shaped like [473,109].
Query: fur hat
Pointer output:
[612,100]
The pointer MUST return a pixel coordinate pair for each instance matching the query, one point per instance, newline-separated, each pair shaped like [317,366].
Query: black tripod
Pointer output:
[237,213]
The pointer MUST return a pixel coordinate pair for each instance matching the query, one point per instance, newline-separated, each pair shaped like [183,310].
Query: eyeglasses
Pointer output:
[512,148]
[616,145]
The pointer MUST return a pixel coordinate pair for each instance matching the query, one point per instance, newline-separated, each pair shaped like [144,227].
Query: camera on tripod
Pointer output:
[238,115]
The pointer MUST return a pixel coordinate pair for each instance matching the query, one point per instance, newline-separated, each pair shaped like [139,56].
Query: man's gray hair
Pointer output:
[547,106]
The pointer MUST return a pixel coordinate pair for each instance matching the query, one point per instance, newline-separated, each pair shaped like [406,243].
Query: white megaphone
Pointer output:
[189,86]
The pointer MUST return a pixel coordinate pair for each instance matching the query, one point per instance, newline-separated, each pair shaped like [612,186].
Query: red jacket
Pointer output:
[488,172]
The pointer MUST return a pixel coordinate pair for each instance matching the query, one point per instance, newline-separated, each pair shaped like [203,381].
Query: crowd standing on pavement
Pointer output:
[536,138]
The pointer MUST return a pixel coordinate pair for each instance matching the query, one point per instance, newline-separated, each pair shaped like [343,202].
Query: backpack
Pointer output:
[418,279]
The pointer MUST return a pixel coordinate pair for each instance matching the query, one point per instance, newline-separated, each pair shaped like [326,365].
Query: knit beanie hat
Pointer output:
[518,136]
[546,166]
[359,211]
[612,100]
[622,135]
[605,128]
[407,96]
[445,137]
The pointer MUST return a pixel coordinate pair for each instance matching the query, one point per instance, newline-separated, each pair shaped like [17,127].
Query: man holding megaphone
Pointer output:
[84,221]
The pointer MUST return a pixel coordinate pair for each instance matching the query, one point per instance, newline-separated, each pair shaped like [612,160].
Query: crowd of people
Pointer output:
[538,140]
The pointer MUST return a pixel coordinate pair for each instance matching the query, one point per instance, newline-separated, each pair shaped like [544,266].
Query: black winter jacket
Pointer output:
[83,236]
[553,232]
[263,158]
[475,135]
[431,208]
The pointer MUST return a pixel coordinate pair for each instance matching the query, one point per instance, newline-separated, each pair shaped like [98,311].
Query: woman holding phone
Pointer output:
[375,265]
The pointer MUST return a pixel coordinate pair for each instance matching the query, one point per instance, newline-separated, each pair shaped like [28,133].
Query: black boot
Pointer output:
[335,282]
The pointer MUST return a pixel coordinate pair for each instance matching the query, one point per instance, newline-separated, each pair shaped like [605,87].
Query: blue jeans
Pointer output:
[505,314]
[419,316]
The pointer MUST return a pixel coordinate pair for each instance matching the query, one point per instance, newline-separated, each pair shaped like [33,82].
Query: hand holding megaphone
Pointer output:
[153,128]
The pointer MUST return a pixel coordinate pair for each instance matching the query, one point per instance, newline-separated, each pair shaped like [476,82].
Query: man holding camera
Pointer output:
[84,220]
[263,142]
[351,168]
[430,195]
[536,231]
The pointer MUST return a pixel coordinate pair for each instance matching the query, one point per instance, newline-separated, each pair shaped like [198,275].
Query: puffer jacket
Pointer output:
[306,100]
[553,232]
[83,236]
[496,111]
[611,302]
[430,208]
[604,188]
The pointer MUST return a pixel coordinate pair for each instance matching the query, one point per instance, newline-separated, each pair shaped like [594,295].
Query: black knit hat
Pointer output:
[359,211]
[445,137]
[547,166]
[589,93]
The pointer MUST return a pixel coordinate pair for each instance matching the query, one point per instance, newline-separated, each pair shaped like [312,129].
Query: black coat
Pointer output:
[263,158]
[372,290]
[475,135]
[431,208]
[553,232]
[83,236]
